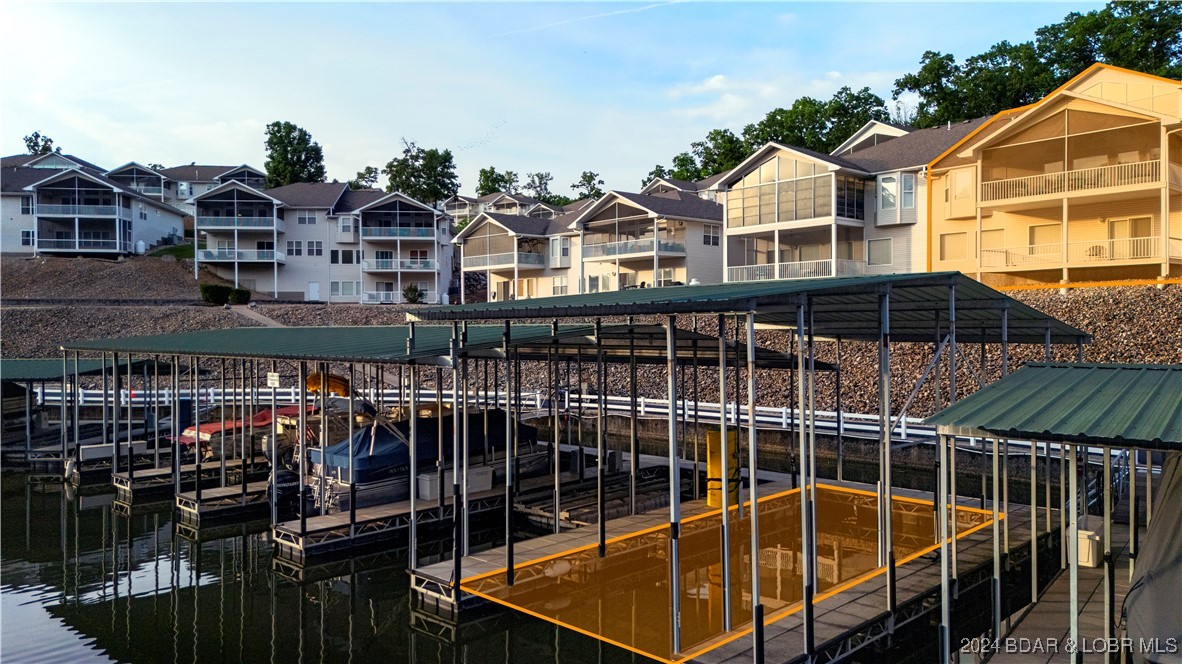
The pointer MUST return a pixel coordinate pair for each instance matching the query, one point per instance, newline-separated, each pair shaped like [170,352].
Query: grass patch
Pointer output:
[178,250]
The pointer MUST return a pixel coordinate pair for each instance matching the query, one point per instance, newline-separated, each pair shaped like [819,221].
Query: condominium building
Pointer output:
[622,240]
[1084,185]
[323,242]
[794,213]
[61,204]
[179,184]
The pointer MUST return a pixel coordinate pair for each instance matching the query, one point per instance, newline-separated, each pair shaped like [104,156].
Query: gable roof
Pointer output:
[35,176]
[772,146]
[131,164]
[868,129]
[233,184]
[914,149]
[354,199]
[514,223]
[13,180]
[577,205]
[243,167]
[195,172]
[320,195]
[395,197]
[670,204]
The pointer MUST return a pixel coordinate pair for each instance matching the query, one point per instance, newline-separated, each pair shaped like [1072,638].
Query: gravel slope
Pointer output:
[135,277]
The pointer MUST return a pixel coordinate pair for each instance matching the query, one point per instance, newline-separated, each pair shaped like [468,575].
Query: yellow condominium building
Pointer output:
[1084,185]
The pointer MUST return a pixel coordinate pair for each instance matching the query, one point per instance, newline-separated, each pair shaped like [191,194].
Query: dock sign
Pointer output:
[272,379]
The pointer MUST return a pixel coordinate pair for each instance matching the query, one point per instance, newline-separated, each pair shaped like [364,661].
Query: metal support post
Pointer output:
[674,486]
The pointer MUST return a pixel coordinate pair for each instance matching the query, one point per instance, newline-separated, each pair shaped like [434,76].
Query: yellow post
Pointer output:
[714,467]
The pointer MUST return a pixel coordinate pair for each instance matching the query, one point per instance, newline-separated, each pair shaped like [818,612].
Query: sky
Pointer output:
[613,88]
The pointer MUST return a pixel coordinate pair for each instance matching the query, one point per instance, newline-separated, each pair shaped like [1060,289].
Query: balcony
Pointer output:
[396,265]
[819,269]
[397,232]
[49,210]
[520,260]
[244,256]
[1088,252]
[84,245]
[240,223]
[1086,179]
[394,297]
[147,189]
[629,248]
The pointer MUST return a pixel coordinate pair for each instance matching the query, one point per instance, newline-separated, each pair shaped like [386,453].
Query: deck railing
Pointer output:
[1022,256]
[397,232]
[396,264]
[240,255]
[1117,175]
[796,270]
[83,245]
[78,210]
[1129,248]
[526,258]
[612,249]
[393,297]
[236,222]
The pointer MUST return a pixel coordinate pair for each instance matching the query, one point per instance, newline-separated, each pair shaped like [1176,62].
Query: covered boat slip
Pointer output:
[377,349]
[1081,407]
[925,308]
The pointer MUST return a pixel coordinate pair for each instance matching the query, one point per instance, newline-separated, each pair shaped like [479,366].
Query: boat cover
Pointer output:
[1152,601]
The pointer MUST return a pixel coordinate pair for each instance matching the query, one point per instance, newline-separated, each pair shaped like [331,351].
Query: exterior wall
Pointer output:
[12,222]
[704,262]
[158,225]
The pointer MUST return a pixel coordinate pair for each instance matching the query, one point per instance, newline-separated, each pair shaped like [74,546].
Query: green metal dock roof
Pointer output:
[845,307]
[388,344]
[1117,405]
[49,369]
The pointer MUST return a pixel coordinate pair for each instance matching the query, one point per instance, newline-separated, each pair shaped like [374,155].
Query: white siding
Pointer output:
[12,222]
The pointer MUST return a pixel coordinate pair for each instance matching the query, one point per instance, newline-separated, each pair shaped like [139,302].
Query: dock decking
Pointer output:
[224,503]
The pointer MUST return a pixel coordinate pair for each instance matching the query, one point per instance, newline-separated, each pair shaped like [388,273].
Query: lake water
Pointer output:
[80,582]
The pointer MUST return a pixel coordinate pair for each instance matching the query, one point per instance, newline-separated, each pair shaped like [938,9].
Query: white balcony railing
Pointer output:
[1118,175]
[83,245]
[77,210]
[1022,256]
[1101,251]
[1176,247]
[241,255]
[387,264]
[236,222]
[508,259]
[613,249]
[1080,252]
[394,297]
[148,189]
[796,270]
[397,232]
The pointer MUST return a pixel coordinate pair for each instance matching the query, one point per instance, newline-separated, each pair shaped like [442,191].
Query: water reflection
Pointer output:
[81,582]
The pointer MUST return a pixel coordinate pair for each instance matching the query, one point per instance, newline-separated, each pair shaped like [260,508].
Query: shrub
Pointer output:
[412,294]
[216,293]
[240,296]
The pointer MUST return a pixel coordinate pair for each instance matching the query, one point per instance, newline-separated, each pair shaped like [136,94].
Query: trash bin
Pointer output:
[1090,541]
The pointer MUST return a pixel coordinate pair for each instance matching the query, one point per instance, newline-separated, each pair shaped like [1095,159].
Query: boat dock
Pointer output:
[154,484]
[238,502]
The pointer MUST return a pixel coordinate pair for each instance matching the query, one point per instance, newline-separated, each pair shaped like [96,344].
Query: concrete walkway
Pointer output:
[246,312]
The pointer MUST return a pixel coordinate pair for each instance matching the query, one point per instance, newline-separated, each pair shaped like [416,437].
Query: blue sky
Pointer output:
[614,88]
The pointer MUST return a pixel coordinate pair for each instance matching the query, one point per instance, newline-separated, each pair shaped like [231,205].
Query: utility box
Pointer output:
[1090,542]
[714,480]
[479,479]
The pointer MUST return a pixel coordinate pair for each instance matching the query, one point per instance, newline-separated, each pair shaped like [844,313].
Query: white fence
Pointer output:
[765,416]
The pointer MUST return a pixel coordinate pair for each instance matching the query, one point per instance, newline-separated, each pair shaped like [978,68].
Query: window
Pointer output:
[593,284]
[26,205]
[344,288]
[315,247]
[665,276]
[1044,235]
[712,235]
[909,191]
[953,246]
[962,184]
[878,252]
[27,238]
[295,248]
[305,217]
[560,252]
[345,224]
[182,188]
[143,212]
[851,200]
[888,195]
[418,254]
[559,287]
[994,239]
[344,256]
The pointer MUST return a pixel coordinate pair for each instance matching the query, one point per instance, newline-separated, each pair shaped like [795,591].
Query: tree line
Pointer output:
[1142,36]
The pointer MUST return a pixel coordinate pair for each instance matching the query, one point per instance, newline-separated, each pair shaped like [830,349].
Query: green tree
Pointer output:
[292,155]
[803,124]
[590,185]
[366,178]
[426,175]
[658,171]
[848,112]
[156,166]
[538,185]
[936,84]
[720,151]
[36,143]
[490,181]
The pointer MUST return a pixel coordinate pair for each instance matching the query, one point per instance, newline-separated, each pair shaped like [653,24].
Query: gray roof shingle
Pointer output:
[352,200]
[676,204]
[321,195]
[521,225]
[916,148]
